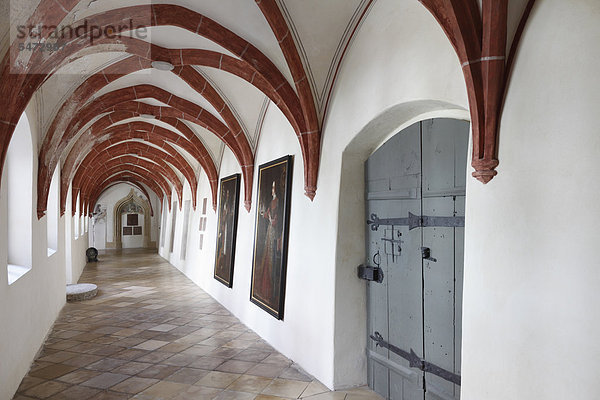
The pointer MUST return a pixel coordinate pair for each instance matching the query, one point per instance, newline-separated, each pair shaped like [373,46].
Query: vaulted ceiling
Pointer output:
[108,112]
[151,93]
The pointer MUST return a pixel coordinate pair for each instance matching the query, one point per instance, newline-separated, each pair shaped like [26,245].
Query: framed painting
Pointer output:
[229,199]
[132,219]
[269,259]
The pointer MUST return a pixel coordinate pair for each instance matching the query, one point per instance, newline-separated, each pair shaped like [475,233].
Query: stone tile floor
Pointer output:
[153,334]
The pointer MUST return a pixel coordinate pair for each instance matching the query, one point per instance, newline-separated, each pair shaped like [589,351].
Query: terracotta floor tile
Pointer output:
[236,366]
[187,375]
[224,352]
[58,356]
[28,382]
[231,395]
[151,345]
[46,389]
[176,347]
[252,355]
[166,389]
[327,396]
[132,368]
[154,357]
[158,371]
[129,354]
[276,358]
[105,380]
[76,393]
[163,328]
[180,360]
[129,342]
[81,360]
[134,385]
[53,371]
[198,350]
[78,376]
[250,384]
[295,373]
[266,370]
[286,388]
[209,363]
[106,364]
[216,379]
[107,350]
[110,395]
[314,388]
[63,344]
[127,332]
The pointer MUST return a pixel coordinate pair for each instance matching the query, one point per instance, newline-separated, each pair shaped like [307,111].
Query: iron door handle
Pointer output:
[426,254]
[378,256]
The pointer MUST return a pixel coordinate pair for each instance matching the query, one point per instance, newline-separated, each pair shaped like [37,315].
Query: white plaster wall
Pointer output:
[98,234]
[29,306]
[531,275]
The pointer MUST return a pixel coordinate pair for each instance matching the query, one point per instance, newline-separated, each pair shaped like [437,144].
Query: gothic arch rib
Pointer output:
[138,130]
[106,151]
[184,18]
[480,39]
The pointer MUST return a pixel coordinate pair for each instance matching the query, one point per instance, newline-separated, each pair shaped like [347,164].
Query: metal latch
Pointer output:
[373,274]
[414,361]
[426,254]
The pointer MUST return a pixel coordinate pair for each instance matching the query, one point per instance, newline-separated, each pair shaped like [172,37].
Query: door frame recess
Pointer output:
[350,321]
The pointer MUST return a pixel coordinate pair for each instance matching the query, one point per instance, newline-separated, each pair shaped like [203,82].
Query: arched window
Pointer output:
[173,225]
[76,219]
[164,223]
[19,181]
[186,223]
[52,213]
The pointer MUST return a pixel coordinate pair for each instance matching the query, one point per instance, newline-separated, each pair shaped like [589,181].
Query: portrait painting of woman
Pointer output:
[270,241]
[227,229]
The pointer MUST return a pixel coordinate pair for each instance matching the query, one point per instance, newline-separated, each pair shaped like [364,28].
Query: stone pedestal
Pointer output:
[81,291]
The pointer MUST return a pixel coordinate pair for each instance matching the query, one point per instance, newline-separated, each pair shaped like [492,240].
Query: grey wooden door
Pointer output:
[421,171]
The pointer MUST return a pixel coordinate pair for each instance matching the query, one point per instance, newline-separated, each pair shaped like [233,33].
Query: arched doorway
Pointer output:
[415,203]
[132,217]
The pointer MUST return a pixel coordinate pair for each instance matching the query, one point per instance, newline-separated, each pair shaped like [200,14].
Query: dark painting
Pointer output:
[227,229]
[132,219]
[271,235]
[127,231]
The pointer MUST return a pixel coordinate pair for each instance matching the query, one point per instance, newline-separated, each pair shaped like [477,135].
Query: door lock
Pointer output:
[426,254]
[372,274]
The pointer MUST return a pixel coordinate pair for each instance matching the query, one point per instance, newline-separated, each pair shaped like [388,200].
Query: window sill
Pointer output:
[15,272]
[51,252]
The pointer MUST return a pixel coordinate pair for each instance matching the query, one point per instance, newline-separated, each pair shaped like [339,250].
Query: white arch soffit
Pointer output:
[128,184]
[19,163]
[398,117]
